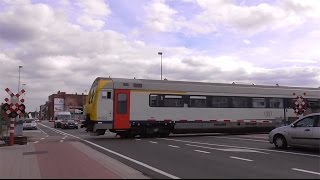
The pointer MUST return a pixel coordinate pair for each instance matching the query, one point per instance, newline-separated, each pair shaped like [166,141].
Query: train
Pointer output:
[158,108]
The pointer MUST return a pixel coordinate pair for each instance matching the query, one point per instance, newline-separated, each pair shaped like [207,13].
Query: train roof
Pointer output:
[169,85]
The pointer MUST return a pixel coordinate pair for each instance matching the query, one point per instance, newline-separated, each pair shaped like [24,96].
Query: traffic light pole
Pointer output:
[11,141]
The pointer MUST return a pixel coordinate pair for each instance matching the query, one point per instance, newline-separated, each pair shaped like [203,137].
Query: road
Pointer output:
[200,156]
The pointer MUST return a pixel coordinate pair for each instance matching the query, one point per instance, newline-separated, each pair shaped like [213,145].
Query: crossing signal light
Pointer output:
[5,107]
[13,114]
[22,108]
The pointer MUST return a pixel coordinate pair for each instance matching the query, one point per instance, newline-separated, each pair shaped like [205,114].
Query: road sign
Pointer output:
[300,105]
[14,106]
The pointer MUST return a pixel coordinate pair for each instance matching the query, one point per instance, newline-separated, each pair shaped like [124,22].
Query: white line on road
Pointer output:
[42,138]
[229,149]
[243,139]
[153,142]
[311,172]
[64,137]
[240,158]
[124,157]
[138,139]
[36,142]
[278,151]
[174,146]
[202,151]
[43,132]
[61,140]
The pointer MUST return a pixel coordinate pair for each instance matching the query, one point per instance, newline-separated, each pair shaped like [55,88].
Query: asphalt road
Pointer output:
[202,156]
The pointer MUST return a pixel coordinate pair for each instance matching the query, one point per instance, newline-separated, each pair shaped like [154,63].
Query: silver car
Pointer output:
[303,132]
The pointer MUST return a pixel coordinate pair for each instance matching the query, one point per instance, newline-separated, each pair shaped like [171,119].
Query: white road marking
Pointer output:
[47,136]
[42,138]
[243,139]
[202,151]
[64,137]
[138,139]
[228,150]
[243,159]
[174,146]
[36,142]
[277,151]
[153,142]
[311,172]
[61,140]
[125,157]
[43,132]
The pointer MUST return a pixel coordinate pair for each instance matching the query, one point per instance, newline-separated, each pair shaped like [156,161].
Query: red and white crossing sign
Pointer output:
[14,106]
[301,105]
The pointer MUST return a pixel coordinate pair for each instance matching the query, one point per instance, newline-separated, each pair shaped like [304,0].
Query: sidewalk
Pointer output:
[54,160]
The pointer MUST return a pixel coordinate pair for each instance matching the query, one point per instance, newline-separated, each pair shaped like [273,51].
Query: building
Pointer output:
[61,101]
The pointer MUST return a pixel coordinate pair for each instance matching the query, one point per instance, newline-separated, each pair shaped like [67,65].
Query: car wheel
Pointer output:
[280,142]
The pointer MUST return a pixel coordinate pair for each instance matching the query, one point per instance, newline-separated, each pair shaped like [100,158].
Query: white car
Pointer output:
[30,124]
[303,132]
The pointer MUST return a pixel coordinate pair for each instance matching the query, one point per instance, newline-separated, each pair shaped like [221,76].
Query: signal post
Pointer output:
[12,108]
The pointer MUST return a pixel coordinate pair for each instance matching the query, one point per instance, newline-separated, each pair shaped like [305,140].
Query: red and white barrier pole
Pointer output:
[11,141]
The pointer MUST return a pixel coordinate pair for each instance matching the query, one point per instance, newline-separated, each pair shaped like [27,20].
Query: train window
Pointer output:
[173,101]
[103,94]
[259,102]
[219,102]
[198,101]
[122,104]
[109,95]
[240,102]
[154,100]
[276,103]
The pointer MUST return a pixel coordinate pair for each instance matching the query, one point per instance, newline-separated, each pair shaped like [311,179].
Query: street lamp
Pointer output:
[19,79]
[160,53]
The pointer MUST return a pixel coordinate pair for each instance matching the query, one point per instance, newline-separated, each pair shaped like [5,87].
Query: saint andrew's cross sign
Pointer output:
[13,106]
[300,105]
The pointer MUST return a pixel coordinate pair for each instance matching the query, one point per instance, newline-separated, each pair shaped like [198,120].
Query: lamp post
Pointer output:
[19,79]
[160,53]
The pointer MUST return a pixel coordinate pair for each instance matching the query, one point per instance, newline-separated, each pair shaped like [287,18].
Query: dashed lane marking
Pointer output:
[206,152]
[243,159]
[306,171]
[174,146]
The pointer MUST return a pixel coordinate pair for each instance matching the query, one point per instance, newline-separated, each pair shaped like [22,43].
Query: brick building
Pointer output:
[61,101]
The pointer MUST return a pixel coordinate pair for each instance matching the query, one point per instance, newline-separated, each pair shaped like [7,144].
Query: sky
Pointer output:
[65,44]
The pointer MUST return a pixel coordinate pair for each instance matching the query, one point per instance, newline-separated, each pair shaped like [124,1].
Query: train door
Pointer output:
[121,109]
[106,105]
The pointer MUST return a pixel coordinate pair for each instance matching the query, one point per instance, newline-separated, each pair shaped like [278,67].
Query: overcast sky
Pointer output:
[65,44]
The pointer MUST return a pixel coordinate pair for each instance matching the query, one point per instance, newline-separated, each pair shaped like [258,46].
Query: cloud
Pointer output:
[60,53]
[242,19]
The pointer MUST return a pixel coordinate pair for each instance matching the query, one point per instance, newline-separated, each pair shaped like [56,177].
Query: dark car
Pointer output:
[69,124]
[57,123]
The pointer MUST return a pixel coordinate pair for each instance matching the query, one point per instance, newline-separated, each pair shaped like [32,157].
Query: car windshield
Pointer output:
[70,121]
[63,117]
[29,121]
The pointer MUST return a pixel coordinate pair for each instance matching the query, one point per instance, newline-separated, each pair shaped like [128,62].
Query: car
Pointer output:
[29,124]
[57,123]
[303,132]
[69,124]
